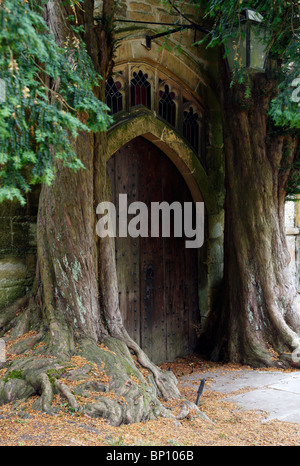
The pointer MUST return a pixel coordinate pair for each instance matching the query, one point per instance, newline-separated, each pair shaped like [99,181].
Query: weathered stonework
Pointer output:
[297,224]
[17,249]
[143,122]
[194,70]
[292,223]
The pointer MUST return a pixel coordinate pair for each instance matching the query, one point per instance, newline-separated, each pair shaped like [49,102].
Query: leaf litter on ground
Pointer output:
[228,424]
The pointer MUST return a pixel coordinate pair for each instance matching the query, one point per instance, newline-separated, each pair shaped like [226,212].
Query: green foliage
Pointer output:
[293,187]
[281,20]
[285,108]
[49,99]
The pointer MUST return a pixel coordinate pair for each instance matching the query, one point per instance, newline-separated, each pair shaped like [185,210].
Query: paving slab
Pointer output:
[275,403]
[277,394]
[290,384]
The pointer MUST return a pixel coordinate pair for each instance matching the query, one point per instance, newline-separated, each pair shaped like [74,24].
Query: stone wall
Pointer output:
[292,223]
[17,249]
[297,208]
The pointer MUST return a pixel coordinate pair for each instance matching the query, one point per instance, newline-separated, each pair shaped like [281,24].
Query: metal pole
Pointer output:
[200,390]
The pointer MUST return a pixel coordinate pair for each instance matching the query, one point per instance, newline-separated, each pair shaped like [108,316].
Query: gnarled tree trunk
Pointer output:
[73,309]
[260,316]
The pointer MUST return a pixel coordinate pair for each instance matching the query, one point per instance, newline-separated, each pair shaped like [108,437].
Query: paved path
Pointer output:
[276,393]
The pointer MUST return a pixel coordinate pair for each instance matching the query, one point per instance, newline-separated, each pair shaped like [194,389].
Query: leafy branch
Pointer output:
[47,90]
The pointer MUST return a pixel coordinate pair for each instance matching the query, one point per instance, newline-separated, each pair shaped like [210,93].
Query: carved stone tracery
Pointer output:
[142,84]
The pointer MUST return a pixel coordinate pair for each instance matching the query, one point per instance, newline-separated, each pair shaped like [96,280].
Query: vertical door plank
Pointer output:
[177,318]
[153,328]
[127,249]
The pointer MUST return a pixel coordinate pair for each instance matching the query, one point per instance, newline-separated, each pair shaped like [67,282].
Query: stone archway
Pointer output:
[159,291]
[144,123]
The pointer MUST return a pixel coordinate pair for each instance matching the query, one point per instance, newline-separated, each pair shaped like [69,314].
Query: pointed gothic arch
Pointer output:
[122,140]
[144,123]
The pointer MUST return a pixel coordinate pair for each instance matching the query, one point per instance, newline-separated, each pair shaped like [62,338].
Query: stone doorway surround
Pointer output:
[143,122]
[157,276]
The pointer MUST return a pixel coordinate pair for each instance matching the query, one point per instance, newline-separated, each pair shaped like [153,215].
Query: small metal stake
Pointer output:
[200,390]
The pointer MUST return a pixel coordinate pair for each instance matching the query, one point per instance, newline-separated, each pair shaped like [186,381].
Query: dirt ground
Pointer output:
[228,425]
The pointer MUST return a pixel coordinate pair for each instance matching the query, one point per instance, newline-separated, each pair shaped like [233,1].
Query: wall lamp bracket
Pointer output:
[149,39]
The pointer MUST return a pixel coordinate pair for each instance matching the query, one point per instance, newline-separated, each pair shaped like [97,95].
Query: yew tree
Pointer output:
[258,321]
[54,60]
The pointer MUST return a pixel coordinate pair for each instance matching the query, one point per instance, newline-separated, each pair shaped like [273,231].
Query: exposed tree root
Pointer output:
[184,411]
[47,392]
[64,389]
[8,314]
[166,382]
[114,380]
[189,410]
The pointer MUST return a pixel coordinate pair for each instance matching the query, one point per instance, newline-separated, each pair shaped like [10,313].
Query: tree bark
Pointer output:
[67,254]
[260,316]
[74,306]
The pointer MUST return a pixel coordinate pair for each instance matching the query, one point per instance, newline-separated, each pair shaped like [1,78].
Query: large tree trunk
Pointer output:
[260,316]
[74,307]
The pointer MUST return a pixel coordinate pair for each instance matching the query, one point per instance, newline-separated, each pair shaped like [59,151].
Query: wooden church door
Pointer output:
[157,277]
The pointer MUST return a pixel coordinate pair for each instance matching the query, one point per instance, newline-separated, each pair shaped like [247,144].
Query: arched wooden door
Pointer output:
[158,279]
